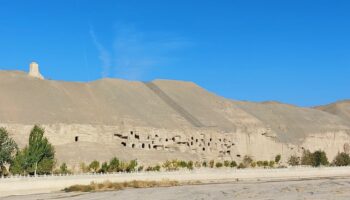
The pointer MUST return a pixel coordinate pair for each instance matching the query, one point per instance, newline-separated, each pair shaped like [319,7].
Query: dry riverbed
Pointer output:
[320,189]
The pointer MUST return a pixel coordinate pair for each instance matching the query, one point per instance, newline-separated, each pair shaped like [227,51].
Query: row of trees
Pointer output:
[114,165]
[38,157]
[319,158]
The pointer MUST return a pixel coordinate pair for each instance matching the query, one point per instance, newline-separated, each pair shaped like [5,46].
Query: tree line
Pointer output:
[38,157]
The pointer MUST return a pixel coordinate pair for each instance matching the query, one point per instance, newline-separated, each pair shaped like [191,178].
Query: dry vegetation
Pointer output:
[108,186]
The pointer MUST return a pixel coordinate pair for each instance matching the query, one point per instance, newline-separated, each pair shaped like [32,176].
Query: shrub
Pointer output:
[94,166]
[140,168]
[157,168]
[204,164]
[173,165]
[226,163]
[259,163]
[63,169]
[190,165]
[131,167]
[294,160]
[342,159]
[45,166]
[253,164]
[241,166]
[265,163]
[149,168]
[211,164]
[123,166]
[233,164]
[271,163]
[182,164]
[247,160]
[154,168]
[83,167]
[278,158]
[107,185]
[197,164]
[104,167]
[218,165]
[307,158]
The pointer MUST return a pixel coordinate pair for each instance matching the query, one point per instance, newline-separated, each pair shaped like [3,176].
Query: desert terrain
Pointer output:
[317,189]
[98,120]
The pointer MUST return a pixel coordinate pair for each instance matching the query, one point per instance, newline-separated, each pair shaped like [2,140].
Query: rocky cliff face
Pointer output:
[162,120]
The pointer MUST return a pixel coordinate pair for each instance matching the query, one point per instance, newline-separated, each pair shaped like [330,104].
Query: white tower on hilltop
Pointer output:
[34,70]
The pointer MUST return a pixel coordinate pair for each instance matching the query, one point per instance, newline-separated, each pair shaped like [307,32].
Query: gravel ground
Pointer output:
[319,189]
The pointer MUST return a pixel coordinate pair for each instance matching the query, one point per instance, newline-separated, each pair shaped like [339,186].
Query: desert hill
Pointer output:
[28,100]
[340,108]
[96,111]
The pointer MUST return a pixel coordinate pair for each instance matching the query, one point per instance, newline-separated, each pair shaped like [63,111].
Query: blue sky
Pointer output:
[296,52]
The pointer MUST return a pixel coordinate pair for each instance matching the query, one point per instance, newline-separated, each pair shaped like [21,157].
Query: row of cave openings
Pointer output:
[176,139]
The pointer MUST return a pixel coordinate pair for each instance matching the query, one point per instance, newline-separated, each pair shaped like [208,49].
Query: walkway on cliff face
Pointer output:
[168,100]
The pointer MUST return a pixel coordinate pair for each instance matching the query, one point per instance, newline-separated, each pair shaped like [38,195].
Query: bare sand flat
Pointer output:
[319,189]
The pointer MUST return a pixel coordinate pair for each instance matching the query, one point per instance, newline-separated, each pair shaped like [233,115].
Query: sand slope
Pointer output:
[27,100]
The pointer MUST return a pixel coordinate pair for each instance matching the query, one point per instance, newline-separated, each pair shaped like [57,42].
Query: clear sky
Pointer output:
[296,52]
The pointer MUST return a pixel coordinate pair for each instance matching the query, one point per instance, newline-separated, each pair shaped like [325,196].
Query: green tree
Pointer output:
[104,167]
[41,153]
[45,166]
[259,163]
[64,169]
[226,163]
[294,160]
[307,158]
[131,166]
[319,158]
[36,158]
[114,165]
[233,164]
[190,165]
[342,159]
[278,158]
[19,164]
[8,149]
[253,164]
[84,168]
[265,163]
[218,165]
[94,166]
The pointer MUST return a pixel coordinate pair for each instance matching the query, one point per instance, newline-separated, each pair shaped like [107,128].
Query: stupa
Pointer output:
[34,70]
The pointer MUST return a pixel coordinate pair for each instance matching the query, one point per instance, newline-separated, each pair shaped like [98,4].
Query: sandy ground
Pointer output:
[319,189]
[53,184]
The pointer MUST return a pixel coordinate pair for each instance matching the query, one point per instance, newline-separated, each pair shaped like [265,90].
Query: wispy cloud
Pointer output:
[135,53]
[104,55]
